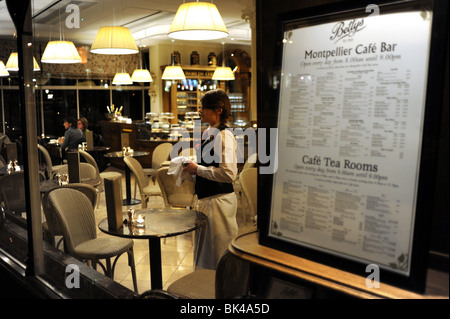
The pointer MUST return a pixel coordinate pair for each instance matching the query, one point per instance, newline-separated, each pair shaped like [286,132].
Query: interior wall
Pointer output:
[160,55]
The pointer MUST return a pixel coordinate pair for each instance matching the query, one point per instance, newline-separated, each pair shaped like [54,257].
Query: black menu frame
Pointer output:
[268,108]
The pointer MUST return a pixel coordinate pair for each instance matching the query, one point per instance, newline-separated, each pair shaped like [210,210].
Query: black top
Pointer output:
[205,187]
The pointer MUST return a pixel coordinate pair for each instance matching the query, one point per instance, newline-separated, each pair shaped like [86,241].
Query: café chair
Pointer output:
[50,168]
[160,154]
[88,175]
[173,195]
[146,187]
[12,191]
[52,226]
[187,152]
[249,163]
[2,162]
[100,176]
[3,138]
[248,179]
[76,214]
[228,281]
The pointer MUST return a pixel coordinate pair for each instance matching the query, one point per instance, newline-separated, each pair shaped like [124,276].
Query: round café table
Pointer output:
[128,201]
[159,223]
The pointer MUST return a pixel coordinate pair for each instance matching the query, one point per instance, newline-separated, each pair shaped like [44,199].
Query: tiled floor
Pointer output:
[177,252]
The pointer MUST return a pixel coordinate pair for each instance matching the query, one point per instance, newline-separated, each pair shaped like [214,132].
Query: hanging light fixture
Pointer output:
[173,72]
[63,52]
[141,75]
[13,63]
[3,70]
[223,73]
[122,79]
[197,21]
[114,40]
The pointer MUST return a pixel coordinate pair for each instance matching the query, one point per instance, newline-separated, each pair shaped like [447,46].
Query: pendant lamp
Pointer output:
[122,79]
[114,40]
[63,52]
[13,63]
[3,70]
[197,21]
[223,73]
[141,75]
[173,72]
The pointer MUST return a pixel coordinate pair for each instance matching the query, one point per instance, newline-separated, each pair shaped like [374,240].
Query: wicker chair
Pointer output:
[249,182]
[76,215]
[173,195]
[160,154]
[100,176]
[12,192]
[52,226]
[229,281]
[50,168]
[146,187]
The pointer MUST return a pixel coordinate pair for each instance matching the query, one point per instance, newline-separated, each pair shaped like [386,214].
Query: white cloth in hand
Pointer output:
[176,168]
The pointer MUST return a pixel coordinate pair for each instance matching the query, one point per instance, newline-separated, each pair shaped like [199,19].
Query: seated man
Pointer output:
[72,136]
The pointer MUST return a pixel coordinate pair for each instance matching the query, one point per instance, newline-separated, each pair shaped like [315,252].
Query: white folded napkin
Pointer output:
[176,168]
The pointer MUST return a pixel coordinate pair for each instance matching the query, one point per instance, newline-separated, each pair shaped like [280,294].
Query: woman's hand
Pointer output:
[190,167]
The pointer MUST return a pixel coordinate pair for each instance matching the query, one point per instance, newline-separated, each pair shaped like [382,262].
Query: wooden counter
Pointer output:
[322,280]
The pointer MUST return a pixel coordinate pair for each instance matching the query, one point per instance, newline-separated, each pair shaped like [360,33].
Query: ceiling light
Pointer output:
[197,21]
[3,70]
[223,73]
[173,72]
[122,79]
[114,40]
[13,63]
[141,75]
[60,52]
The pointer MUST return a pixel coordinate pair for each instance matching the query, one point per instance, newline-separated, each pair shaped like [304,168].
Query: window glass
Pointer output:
[93,105]
[131,100]
[57,105]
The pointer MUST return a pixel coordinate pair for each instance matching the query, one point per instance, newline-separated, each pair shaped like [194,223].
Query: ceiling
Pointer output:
[148,20]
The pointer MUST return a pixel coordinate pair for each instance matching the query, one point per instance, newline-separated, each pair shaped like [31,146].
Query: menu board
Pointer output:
[351,111]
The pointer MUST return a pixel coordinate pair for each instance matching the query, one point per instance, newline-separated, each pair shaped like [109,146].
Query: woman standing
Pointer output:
[215,172]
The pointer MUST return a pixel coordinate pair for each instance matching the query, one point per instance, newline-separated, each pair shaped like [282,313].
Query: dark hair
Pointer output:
[84,121]
[218,99]
[69,120]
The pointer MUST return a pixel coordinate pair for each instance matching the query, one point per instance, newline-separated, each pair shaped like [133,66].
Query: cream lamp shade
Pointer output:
[13,63]
[223,73]
[61,52]
[122,79]
[3,70]
[173,72]
[114,40]
[141,75]
[197,21]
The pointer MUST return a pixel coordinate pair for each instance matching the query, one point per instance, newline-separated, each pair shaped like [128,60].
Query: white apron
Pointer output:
[212,240]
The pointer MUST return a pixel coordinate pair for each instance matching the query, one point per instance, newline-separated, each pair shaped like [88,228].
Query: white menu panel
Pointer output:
[350,121]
